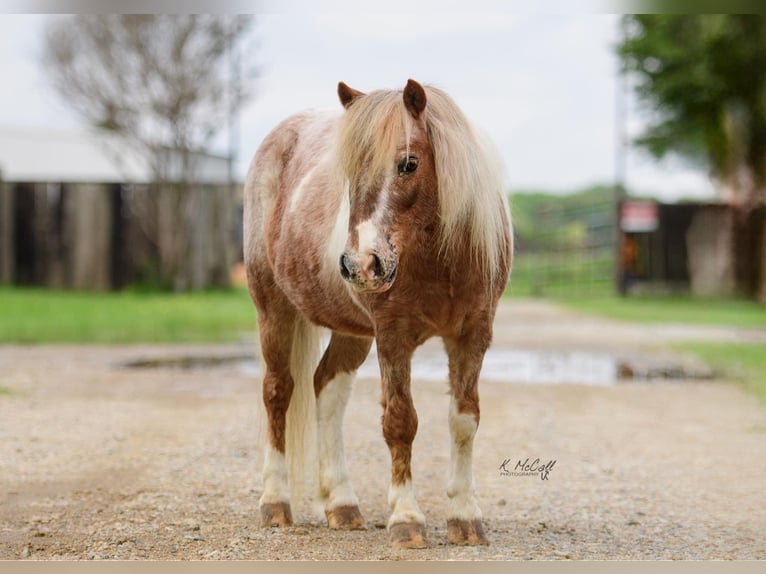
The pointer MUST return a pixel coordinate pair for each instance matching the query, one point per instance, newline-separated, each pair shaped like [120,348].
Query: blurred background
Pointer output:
[635,150]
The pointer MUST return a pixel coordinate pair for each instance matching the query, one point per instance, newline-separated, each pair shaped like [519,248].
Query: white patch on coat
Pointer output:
[336,242]
[368,237]
[297,194]
[305,184]
[368,230]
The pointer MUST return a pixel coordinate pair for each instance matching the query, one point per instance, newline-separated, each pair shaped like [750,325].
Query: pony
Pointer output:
[386,221]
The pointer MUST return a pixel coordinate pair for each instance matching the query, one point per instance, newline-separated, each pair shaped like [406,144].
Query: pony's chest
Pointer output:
[427,308]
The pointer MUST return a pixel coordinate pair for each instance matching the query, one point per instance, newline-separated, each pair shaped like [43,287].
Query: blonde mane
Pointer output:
[472,198]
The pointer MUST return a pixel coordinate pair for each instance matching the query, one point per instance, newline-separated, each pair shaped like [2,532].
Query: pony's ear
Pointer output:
[347,95]
[414,98]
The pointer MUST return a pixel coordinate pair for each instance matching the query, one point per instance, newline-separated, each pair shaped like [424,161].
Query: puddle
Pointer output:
[518,366]
[500,365]
[187,362]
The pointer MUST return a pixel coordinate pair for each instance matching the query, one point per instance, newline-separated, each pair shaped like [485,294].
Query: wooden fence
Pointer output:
[106,236]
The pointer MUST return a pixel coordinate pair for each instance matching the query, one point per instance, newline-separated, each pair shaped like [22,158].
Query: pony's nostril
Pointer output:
[344,271]
[377,266]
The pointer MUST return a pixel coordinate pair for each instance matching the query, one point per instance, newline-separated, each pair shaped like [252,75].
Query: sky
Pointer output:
[544,87]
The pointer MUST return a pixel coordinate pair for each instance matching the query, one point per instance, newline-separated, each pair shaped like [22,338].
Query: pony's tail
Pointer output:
[301,431]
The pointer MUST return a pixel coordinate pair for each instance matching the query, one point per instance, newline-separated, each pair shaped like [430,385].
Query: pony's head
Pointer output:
[388,167]
[416,174]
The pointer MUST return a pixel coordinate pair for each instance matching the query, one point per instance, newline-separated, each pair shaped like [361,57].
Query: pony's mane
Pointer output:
[469,173]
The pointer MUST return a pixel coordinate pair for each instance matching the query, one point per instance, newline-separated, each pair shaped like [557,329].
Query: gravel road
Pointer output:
[103,462]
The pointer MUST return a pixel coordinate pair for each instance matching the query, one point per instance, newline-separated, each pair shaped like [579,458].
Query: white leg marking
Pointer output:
[460,489]
[334,486]
[275,486]
[404,506]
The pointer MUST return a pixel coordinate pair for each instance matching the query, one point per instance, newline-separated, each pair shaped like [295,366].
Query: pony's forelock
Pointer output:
[369,135]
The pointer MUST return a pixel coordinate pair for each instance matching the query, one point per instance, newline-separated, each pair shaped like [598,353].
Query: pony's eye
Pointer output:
[408,165]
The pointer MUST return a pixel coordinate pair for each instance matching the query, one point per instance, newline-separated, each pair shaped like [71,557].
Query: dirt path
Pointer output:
[102,462]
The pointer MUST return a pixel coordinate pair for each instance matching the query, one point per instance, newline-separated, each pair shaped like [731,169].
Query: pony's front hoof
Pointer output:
[466,532]
[276,514]
[407,535]
[345,518]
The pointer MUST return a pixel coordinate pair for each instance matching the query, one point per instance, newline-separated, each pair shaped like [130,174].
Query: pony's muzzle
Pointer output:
[369,272]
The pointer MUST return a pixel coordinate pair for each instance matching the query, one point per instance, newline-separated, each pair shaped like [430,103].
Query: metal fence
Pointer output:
[571,248]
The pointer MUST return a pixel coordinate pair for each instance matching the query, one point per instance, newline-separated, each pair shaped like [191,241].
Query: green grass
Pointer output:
[745,362]
[669,309]
[43,316]
[587,285]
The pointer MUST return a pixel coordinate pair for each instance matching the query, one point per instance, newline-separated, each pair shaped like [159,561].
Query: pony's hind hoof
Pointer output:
[466,532]
[345,518]
[407,535]
[276,514]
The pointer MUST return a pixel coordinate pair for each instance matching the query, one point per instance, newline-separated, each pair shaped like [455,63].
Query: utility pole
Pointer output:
[621,148]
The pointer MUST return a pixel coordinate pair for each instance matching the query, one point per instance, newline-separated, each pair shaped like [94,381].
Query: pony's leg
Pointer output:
[465,354]
[406,525]
[276,330]
[332,386]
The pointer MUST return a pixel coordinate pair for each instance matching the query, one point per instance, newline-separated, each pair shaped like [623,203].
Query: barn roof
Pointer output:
[41,155]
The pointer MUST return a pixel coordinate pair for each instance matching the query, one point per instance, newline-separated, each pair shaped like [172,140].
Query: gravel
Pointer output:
[100,462]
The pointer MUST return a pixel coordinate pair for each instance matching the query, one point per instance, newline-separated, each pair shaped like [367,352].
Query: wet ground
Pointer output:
[500,365]
[653,458]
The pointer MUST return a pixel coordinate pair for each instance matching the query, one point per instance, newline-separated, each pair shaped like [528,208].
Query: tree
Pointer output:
[704,76]
[162,84]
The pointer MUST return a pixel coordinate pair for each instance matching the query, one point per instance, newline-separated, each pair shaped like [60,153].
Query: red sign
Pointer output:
[639,216]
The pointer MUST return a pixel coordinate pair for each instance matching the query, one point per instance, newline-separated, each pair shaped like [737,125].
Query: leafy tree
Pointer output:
[162,84]
[705,77]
